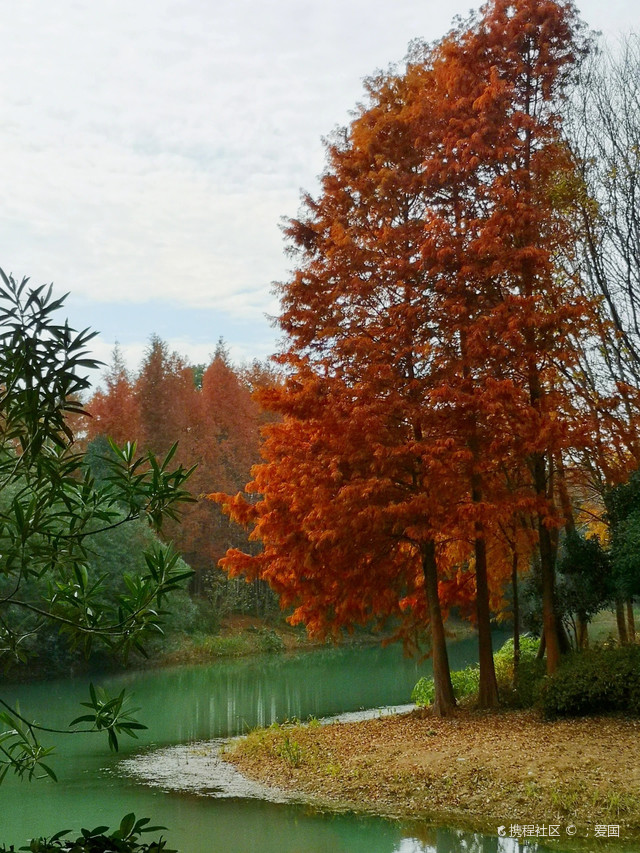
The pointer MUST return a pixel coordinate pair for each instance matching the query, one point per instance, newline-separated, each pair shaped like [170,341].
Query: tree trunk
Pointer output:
[622,624]
[631,622]
[516,613]
[542,648]
[445,701]
[488,688]
[564,643]
[582,636]
[547,571]
[563,492]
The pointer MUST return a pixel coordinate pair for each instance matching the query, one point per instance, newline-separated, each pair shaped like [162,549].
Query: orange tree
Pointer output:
[216,423]
[428,336]
[512,315]
[361,323]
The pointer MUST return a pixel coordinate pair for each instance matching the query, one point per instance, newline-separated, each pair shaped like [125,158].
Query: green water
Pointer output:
[195,703]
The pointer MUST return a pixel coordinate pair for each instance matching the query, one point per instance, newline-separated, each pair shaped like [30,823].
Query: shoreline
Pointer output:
[474,771]
[206,649]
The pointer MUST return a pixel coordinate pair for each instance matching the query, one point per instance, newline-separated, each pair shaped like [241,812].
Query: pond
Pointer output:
[195,703]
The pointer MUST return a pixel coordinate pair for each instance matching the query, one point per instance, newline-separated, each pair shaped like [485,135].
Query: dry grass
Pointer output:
[473,769]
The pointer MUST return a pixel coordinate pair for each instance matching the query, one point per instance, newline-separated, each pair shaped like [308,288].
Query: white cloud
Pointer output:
[149,149]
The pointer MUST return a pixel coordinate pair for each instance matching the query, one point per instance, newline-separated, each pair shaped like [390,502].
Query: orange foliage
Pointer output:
[216,427]
[114,411]
[429,333]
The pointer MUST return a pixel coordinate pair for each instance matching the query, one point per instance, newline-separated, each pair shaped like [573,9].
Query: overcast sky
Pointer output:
[149,149]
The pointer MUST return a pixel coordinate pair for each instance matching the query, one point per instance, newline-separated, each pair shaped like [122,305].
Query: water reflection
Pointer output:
[197,703]
[438,840]
[227,698]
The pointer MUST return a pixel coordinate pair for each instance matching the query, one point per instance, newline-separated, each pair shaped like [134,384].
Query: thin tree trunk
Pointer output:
[631,622]
[564,643]
[516,613]
[445,701]
[582,631]
[538,461]
[563,492]
[488,687]
[622,624]
[582,637]
[542,647]
[547,571]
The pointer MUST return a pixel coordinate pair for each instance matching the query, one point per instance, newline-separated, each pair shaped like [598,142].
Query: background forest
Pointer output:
[211,411]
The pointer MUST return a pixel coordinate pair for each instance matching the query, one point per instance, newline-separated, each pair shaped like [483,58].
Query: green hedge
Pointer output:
[594,681]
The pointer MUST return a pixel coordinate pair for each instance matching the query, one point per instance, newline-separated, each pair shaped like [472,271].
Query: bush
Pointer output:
[463,681]
[125,839]
[519,692]
[424,692]
[525,690]
[269,641]
[503,658]
[594,681]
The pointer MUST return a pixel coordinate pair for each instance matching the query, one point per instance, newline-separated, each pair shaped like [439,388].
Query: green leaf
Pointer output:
[126,825]
[85,718]
[48,771]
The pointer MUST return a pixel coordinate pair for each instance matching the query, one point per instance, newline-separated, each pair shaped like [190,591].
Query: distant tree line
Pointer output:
[210,410]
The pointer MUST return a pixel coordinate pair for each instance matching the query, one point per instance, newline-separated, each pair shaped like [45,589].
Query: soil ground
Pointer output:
[474,770]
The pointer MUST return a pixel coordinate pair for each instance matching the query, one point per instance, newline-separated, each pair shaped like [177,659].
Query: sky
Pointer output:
[150,149]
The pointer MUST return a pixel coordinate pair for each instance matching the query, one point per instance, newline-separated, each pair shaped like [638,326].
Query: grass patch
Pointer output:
[200,648]
[289,742]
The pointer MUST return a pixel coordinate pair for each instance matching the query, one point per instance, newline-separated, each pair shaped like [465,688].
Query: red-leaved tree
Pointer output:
[429,334]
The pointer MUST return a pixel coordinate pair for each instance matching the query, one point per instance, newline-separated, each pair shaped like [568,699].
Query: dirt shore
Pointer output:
[473,770]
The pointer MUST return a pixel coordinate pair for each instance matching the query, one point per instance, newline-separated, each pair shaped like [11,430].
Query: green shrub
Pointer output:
[465,682]
[521,692]
[424,692]
[523,689]
[269,640]
[503,658]
[594,681]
